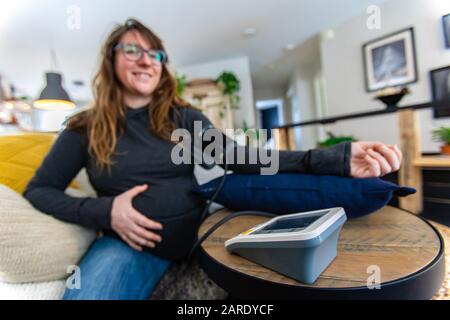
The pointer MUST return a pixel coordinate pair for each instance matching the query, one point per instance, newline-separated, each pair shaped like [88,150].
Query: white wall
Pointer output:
[241,68]
[342,65]
[303,104]
[261,94]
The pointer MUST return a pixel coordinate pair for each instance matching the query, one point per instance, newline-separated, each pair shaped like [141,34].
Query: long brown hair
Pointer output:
[106,118]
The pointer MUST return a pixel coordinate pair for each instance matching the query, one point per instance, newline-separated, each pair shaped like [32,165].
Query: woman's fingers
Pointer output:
[140,240]
[130,224]
[375,169]
[379,159]
[139,237]
[390,155]
[133,192]
[145,222]
[145,234]
[384,164]
[398,152]
[131,243]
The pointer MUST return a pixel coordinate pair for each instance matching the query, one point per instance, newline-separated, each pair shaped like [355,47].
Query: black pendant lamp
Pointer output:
[54,96]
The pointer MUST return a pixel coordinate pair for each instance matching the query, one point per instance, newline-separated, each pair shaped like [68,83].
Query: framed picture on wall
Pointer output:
[446,26]
[390,61]
[440,89]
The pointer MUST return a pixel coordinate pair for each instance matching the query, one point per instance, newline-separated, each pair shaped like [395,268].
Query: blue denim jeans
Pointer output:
[112,270]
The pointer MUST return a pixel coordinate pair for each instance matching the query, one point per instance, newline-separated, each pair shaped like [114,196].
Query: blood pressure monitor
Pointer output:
[299,245]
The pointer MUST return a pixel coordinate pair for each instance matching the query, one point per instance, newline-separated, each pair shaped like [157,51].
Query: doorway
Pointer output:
[270,116]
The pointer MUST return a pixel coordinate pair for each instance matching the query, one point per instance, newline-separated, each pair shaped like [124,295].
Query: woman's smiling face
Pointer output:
[141,77]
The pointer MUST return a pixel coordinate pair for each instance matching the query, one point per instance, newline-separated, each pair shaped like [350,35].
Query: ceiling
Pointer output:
[194,31]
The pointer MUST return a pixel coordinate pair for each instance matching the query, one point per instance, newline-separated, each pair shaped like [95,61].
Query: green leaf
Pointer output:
[442,135]
[231,86]
[333,140]
[181,82]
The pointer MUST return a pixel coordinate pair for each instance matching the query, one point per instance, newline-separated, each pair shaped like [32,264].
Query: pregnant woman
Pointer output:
[145,206]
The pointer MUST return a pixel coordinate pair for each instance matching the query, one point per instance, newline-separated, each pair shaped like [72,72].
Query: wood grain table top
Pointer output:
[397,242]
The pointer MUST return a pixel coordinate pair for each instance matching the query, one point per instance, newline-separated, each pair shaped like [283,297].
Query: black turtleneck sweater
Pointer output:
[142,157]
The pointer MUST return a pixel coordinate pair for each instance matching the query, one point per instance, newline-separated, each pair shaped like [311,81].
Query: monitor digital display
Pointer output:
[291,224]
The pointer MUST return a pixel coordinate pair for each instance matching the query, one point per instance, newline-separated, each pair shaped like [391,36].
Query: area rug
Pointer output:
[444,292]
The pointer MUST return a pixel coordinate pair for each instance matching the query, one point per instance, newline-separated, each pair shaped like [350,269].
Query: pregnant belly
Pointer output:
[163,202]
[178,235]
[178,211]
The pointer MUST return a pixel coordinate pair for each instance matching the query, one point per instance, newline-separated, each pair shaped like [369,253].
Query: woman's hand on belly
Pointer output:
[131,225]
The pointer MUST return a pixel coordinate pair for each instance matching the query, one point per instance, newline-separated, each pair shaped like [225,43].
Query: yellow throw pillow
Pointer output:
[34,246]
[20,157]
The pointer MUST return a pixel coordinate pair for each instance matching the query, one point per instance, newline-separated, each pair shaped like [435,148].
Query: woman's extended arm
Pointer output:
[46,190]
[333,161]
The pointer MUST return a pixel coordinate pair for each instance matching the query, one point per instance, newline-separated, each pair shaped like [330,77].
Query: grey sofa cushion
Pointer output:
[34,246]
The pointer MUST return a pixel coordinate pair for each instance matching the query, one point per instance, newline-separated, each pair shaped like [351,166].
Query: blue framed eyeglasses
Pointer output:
[134,52]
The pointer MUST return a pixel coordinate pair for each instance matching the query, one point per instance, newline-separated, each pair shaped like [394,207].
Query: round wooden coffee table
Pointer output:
[407,251]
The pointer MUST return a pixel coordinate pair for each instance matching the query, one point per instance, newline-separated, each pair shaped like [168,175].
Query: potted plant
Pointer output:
[443,135]
[252,134]
[181,84]
[333,140]
[231,86]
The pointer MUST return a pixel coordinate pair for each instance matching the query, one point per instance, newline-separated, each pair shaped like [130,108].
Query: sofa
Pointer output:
[20,156]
